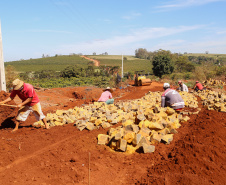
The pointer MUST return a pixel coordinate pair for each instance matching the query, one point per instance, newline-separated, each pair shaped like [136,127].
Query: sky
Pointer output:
[33,28]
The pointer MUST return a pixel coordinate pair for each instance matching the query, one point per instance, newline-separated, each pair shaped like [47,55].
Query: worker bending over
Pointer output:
[30,103]
[182,86]
[106,96]
[198,86]
[171,98]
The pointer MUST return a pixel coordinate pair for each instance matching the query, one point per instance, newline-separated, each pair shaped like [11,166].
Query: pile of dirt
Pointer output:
[196,156]
[64,155]
[7,114]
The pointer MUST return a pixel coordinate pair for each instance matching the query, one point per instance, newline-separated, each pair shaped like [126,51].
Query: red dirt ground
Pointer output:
[64,155]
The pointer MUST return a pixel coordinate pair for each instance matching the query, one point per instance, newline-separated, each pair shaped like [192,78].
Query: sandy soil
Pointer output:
[64,155]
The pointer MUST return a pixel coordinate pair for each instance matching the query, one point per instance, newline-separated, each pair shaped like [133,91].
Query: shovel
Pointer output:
[9,105]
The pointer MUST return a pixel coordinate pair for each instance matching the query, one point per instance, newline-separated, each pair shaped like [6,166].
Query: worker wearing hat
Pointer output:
[182,86]
[171,98]
[198,86]
[106,96]
[30,102]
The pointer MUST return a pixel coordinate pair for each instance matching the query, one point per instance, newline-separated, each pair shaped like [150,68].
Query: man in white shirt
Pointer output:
[182,86]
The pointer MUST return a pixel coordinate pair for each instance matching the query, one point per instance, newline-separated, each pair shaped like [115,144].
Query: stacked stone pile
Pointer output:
[213,100]
[212,82]
[144,122]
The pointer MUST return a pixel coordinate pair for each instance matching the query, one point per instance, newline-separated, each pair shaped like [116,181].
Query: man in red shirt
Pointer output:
[30,103]
[198,86]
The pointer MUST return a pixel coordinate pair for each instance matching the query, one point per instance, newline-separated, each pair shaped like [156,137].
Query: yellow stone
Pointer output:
[129,136]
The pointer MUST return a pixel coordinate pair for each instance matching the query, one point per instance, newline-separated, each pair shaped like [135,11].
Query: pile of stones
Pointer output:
[212,82]
[212,100]
[144,122]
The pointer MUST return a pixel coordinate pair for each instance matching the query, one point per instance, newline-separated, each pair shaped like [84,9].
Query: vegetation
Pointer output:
[73,70]
[162,63]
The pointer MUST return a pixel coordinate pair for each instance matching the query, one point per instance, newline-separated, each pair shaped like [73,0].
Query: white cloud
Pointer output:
[118,42]
[213,46]
[186,3]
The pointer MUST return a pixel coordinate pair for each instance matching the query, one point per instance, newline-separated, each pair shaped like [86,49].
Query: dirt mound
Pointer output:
[64,155]
[196,155]
[7,114]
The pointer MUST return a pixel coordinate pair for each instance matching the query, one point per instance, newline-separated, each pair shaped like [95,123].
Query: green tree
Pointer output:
[183,64]
[162,63]
[141,53]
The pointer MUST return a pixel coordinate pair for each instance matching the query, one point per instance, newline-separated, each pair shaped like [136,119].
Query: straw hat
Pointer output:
[17,84]
[108,89]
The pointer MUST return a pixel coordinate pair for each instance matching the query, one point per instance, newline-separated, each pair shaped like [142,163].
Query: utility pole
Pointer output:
[2,67]
[122,66]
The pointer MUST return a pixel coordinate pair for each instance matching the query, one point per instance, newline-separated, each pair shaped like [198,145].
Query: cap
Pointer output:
[166,85]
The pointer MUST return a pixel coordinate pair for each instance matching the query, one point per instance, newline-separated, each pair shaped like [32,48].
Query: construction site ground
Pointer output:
[65,155]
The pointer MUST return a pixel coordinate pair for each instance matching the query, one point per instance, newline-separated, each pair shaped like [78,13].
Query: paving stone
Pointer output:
[148,148]
[136,139]
[167,139]
[122,145]
[103,139]
[155,138]
[129,136]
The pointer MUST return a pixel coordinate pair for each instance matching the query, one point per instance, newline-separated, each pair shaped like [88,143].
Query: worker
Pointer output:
[106,96]
[182,86]
[30,103]
[198,86]
[171,98]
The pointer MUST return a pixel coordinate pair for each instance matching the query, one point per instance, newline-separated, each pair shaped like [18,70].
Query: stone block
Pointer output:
[170,111]
[121,145]
[155,138]
[118,136]
[145,132]
[136,139]
[142,141]
[130,149]
[167,139]
[135,128]
[98,122]
[90,126]
[148,148]
[103,139]
[105,125]
[129,136]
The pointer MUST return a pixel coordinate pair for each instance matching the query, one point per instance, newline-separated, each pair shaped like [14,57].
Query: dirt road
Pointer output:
[96,62]
[64,155]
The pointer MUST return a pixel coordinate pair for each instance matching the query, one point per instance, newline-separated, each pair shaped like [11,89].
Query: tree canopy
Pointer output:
[162,63]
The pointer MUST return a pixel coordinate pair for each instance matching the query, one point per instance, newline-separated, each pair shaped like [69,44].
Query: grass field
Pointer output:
[61,62]
[58,63]
[50,63]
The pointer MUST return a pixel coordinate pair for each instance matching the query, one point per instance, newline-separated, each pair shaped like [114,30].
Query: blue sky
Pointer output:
[31,28]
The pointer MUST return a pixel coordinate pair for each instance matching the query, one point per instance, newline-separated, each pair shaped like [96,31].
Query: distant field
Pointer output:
[61,62]
[206,55]
[50,63]
[116,57]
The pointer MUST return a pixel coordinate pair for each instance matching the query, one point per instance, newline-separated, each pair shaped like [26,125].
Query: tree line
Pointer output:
[164,63]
